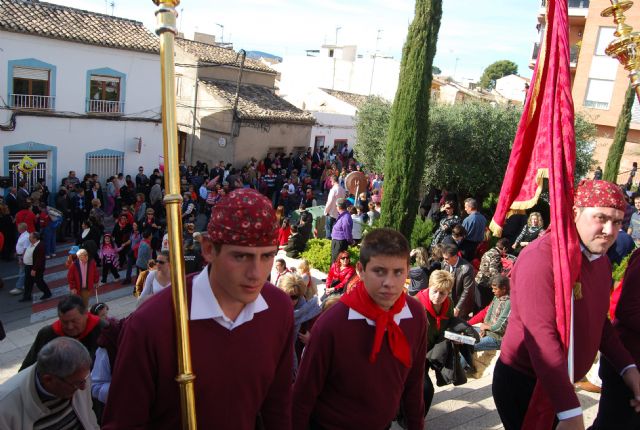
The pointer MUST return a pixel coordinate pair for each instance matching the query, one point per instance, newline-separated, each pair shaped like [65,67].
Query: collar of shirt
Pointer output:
[204,304]
[589,255]
[405,313]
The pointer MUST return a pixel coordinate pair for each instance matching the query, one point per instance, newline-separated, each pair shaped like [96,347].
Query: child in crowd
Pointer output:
[142,277]
[109,256]
[304,270]
[283,233]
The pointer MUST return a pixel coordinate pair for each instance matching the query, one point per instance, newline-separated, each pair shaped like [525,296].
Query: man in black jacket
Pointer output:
[464,284]
[296,243]
[34,265]
[73,321]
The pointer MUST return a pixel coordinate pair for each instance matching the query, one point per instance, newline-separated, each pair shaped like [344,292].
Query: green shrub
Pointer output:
[422,233]
[318,254]
[619,269]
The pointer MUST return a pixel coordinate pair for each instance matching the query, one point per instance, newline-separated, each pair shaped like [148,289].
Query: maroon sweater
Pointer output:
[628,311]
[532,343]
[340,389]
[240,373]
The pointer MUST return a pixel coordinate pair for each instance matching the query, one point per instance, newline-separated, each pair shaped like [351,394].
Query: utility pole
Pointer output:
[375,54]
[333,80]
[221,32]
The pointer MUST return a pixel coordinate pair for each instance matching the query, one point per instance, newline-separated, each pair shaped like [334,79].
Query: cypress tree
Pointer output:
[612,166]
[408,127]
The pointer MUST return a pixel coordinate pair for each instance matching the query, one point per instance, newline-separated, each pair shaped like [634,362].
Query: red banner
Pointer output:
[544,147]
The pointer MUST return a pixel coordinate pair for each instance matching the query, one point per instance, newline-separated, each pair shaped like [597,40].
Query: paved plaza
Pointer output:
[469,406]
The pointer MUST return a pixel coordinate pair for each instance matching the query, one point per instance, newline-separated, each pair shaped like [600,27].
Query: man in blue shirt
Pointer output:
[475,224]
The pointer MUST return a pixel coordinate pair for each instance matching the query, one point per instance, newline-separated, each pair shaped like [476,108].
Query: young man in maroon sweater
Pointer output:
[531,351]
[241,331]
[367,352]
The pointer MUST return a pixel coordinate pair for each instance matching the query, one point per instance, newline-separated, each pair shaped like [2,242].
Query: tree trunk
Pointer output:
[408,127]
[612,167]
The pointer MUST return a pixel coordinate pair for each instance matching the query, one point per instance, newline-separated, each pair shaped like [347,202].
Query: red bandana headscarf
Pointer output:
[244,217]
[599,194]
[423,296]
[360,301]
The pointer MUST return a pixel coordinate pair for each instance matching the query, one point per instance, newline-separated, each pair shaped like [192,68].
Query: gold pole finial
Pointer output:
[626,47]
[166,30]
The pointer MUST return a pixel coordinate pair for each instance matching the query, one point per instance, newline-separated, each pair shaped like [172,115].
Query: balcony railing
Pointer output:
[105,106]
[27,101]
[581,4]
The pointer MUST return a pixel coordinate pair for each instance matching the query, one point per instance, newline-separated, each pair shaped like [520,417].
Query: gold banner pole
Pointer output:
[166,29]
[626,47]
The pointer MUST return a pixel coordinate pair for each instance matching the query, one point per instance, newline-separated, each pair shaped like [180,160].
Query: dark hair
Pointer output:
[294,228]
[97,307]
[71,302]
[458,230]
[146,233]
[449,249]
[281,260]
[383,241]
[501,281]
[503,243]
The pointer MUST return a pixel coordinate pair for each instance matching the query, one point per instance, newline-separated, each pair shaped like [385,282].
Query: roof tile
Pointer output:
[215,54]
[258,103]
[75,25]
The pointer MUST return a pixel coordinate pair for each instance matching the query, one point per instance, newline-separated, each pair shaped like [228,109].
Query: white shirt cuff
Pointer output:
[627,368]
[565,415]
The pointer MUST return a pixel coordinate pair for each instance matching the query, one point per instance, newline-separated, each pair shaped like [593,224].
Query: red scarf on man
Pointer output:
[92,322]
[360,301]
[423,297]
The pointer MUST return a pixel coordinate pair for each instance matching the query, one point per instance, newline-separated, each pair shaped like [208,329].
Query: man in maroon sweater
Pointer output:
[345,383]
[531,350]
[615,411]
[241,331]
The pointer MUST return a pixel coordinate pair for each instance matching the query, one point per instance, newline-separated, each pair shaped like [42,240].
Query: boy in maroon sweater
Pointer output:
[531,351]
[367,353]
[241,331]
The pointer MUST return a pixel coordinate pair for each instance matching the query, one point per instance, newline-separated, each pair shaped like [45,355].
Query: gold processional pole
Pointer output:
[626,47]
[166,29]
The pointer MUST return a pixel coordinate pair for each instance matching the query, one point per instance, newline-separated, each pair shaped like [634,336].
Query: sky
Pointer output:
[473,33]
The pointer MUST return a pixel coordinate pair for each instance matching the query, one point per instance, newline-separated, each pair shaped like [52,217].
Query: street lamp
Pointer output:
[221,32]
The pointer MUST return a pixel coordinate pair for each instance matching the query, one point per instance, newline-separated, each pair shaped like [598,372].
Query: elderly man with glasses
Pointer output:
[52,393]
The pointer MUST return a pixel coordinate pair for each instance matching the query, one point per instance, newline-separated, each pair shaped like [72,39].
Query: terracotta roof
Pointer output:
[357,100]
[208,53]
[258,103]
[75,25]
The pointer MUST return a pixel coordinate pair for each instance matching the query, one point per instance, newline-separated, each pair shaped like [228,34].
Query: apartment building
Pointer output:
[599,82]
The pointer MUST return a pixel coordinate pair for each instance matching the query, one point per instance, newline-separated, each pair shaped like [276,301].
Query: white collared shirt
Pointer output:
[28,254]
[204,304]
[405,313]
[23,243]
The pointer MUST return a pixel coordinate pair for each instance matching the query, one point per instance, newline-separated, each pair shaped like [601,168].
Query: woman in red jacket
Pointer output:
[340,273]
[83,276]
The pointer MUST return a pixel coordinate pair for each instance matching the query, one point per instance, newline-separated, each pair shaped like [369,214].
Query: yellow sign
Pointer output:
[26,164]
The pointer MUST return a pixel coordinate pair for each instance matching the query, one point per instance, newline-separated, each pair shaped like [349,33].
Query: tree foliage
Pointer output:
[408,127]
[372,124]
[496,71]
[469,145]
[612,166]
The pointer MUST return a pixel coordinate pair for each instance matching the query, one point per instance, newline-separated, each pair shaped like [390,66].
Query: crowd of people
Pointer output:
[384,322]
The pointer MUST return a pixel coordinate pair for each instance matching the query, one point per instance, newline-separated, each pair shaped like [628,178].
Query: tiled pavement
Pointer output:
[467,407]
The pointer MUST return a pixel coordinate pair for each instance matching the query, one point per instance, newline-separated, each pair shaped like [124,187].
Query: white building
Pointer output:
[80,91]
[512,87]
[332,83]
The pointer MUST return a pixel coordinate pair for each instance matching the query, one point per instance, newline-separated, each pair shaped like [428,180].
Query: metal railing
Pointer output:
[105,106]
[27,101]
[574,53]
[580,4]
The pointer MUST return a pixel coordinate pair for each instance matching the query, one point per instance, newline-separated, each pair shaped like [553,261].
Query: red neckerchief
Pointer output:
[92,322]
[360,301]
[423,296]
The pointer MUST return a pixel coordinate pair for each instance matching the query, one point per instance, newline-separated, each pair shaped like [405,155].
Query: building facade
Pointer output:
[599,82]
[228,109]
[80,92]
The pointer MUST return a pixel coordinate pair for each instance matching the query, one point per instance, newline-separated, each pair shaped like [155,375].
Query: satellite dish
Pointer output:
[356,183]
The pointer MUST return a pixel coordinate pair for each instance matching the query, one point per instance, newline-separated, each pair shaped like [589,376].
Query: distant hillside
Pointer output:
[256,55]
